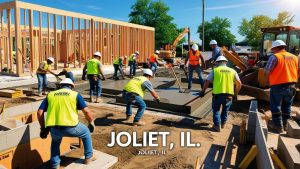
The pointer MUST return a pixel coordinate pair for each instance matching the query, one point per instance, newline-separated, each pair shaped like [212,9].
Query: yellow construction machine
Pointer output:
[169,51]
[252,77]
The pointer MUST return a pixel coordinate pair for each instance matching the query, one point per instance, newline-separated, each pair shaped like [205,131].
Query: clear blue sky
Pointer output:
[186,13]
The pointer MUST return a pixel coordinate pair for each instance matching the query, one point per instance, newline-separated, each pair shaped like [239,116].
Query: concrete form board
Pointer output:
[104,161]
[252,122]
[288,152]
[293,129]
[19,135]
[21,109]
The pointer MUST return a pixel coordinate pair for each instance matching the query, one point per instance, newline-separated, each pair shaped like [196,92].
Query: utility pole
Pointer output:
[202,25]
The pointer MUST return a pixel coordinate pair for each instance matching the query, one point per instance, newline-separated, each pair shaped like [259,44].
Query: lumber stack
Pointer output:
[11,93]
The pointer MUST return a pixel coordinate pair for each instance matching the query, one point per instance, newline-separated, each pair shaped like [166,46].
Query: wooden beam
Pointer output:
[55,42]
[48,40]
[85,41]
[2,42]
[74,42]
[40,38]
[19,63]
[66,43]
[32,59]
[10,55]
[80,40]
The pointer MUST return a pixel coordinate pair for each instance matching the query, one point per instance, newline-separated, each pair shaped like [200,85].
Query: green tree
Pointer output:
[155,14]
[218,29]
[251,29]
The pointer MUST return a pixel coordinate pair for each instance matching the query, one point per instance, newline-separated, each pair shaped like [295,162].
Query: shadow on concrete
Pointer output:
[185,123]
[23,156]
[106,121]
[222,156]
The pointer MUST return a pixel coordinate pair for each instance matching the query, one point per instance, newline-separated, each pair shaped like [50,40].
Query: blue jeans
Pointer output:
[198,71]
[153,67]
[132,69]
[117,68]
[42,81]
[95,85]
[220,117]
[138,101]
[281,100]
[57,134]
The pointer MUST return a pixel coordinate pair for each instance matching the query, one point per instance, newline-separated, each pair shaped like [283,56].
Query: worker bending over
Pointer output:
[153,60]
[223,79]
[282,73]
[93,69]
[194,60]
[134,92]
[68,73]
[216,50]
[132,63]
[118,63]
[62,120]
[41,74]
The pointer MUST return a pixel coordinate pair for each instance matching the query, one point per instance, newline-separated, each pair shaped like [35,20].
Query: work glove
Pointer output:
[202,93]
[44,132]
[91,126]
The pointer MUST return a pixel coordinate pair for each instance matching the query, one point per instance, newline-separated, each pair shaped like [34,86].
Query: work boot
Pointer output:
[223,125]
[139,123]
[275,128]
[128,118]
[98,100]
[216,128]
[89,160]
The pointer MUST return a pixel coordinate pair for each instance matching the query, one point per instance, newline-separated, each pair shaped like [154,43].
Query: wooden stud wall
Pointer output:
[53,32]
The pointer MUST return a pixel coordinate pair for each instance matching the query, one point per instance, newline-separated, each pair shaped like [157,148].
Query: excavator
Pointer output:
[252,77]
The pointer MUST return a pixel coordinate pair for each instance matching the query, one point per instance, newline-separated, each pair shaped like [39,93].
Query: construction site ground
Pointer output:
[218,149]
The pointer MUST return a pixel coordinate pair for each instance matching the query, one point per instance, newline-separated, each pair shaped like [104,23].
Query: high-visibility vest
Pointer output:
[223,82]
[286,69]
[46,67]
[135,85]
[131,57]
[62,109]
[92,66]
[194,59]
[153,58]
[116,61]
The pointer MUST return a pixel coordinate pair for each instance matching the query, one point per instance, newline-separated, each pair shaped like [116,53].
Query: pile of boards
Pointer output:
[11,93]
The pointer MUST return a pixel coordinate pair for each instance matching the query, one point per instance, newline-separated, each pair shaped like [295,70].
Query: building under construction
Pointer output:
[30,33]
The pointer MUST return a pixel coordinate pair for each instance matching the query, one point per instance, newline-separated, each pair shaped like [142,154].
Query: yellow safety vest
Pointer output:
[223,82]
[131,57]
[92,66]
[46,67]
[135,85]
[62,108]
[117,61]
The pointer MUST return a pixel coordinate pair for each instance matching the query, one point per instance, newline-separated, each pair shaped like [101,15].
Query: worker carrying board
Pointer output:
[62,120]
[226,85]
[134,92]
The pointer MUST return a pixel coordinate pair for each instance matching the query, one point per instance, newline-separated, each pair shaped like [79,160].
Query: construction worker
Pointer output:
[282,73]
[153,60]
[216,50]
[223,79]
[68,73]
[62,120]
[194,61]
[41,72]
[134,92]
[118,63]
[93,69]
[132,62]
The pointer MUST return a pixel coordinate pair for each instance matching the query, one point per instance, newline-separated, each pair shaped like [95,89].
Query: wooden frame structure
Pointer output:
[29,33]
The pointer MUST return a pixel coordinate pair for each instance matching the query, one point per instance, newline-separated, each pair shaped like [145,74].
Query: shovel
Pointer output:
[180,88]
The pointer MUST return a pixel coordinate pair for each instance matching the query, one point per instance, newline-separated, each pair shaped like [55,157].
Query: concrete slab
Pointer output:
[288,152]
[293,129]
[103,161]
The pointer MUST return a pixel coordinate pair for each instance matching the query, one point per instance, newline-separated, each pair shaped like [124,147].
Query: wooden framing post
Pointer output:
[55,42]
[85,41]
[80,44]
[74,42]
[40,38]
[10,55]
[19,64]
[66,43]
[48,40]
[32,59]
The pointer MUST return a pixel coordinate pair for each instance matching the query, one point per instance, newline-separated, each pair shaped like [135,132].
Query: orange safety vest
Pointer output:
[286,70]
[194,59]
[153,58]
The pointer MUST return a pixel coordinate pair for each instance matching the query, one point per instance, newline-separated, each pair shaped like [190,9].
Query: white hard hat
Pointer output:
[221,58]
[277,43]
[157,52]
[137,52]
[51,59]
[97,54]
[213,42]
[148,72]
[67,81]
[195,47]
